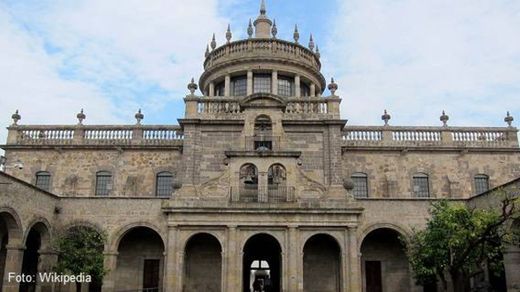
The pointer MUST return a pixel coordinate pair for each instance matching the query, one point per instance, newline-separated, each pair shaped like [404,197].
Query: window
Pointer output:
[239,86]
[164,184]
[481,183]
[219,89]
[305,90]
[43,180]
[103,183]
[421,187]
[285,86]
[262,83]
[360,181]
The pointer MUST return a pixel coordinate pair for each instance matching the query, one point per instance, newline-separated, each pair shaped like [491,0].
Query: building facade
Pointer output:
[262,182]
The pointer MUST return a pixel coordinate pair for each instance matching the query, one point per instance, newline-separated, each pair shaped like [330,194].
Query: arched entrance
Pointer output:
[37,239]
[321,264]
[202,264]
[384,262]
[10,232]
[140,261]
[248,183]
[262,263]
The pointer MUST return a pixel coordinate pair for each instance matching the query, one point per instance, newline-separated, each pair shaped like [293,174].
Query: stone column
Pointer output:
[297,89]
[262,186]
[227,86]
[295,260]
[48,259]
[170,272]
[232,274]
[13,266]
[110,263]
[274,82]
[211,92]
[249,82]
[354,263]
[313,90]
[512,267]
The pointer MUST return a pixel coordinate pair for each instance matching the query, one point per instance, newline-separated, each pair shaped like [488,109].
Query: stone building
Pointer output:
[262,180]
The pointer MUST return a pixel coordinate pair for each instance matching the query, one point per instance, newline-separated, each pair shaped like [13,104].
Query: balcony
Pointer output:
[262,194]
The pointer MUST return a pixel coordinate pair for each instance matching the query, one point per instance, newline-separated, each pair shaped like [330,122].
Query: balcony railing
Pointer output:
[491,137]
[95,135]
[262,194]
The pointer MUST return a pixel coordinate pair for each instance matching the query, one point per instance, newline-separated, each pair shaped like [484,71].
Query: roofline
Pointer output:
[28,185]
[516,180]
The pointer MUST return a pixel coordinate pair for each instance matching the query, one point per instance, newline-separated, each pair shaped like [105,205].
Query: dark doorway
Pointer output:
[321,264]
[373,276]
[151,275]
[30,260]
[203,264]
[262,263]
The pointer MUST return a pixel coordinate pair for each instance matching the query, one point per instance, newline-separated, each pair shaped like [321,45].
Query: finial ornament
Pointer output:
[332,86]
[81,117]
[250,29]
[16,117]
[192,86]
[229,35]
[296,34]
[444,119]
[508,119]
[262,8]
[206,54]
[139,116]
[213,42]
[274,29]
[318,54]
[311,43]
[386,117]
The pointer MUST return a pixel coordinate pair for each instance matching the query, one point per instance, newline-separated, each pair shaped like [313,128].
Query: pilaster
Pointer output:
[110,263]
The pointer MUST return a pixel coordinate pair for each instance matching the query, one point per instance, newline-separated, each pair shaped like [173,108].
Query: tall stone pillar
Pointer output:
[211,92]
[354,263]
[233,251]
[227,86]
[512,267]
[274,82]
[297,89]
[249,82]
[295,260]
[170,273]
[110,263]
[13,266]
[262,186]
[313,90]
[48,259]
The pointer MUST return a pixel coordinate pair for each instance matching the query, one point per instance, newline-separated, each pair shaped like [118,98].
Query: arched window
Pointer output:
[164,184]
[43,180]
[360,181]
[481,183]
[103,183]
[248,190]
[421,185]
[263,133]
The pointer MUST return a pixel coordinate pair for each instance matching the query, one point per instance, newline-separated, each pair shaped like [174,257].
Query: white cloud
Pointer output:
[417,58]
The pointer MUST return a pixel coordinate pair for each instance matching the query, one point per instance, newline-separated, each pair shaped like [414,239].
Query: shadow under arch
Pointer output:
[322,267]
[202,263]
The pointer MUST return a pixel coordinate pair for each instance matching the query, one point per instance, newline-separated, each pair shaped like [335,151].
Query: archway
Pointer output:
[140,260]
[262,263]
[10,232]
[383,262]
[248,191]
[277,183]
[321,264]
[36,240]
[202,264]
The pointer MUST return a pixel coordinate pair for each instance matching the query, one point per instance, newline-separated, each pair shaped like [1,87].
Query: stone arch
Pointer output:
[322,269]
[36,240]
[404,232]
[384,263]
[140,250]
[262,261]
[43,227]
[248,182]
[116,237]
[13,225]
[203,263]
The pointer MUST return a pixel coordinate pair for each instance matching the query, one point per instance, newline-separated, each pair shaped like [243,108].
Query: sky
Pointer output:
[111,57]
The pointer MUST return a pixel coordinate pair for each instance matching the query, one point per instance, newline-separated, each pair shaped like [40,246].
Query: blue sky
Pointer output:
[414,58]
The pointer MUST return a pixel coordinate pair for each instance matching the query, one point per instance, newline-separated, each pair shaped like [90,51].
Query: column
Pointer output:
[170,272]
[262,186]
[297,89]
[211,89]
[13,266]
[249,82]
[274,82]
[354,264]
[512,267]
[295,260]
[47,261]
[110,263]
[313,90]
[233,251]
[227,86]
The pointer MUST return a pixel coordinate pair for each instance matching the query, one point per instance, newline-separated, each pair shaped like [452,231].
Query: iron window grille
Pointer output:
[360,181]
[43,180]
[421,187]
[481,183]
[164,184]
[103,183]
[262,83]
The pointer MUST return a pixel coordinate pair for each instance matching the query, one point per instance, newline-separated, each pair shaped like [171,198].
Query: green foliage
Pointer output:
[81,251]
[458,239]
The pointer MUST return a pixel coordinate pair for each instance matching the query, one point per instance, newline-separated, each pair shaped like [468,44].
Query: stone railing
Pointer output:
[218,106]
[430,136]
[95,135]
[270,48]
[307,105]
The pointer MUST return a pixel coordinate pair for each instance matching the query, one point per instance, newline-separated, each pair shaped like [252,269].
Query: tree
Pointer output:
[458,240]
[81,251]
